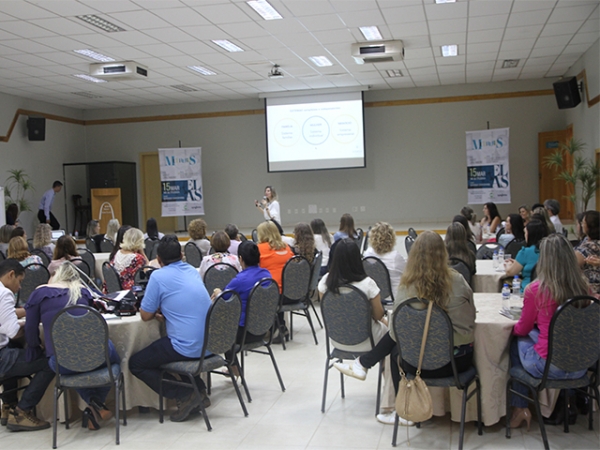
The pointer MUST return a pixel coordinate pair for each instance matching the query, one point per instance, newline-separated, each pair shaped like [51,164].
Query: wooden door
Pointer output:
[550,187]
[151,196]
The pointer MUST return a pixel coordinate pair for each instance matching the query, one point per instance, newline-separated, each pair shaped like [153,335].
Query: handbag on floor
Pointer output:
[413,401]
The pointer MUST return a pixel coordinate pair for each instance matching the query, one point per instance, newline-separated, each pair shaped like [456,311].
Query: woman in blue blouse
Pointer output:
[528,256]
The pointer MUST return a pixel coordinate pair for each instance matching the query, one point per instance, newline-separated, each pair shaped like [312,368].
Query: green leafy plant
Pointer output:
[17,185]
[583,175]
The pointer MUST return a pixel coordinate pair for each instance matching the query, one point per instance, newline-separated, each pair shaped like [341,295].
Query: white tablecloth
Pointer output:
[487,279]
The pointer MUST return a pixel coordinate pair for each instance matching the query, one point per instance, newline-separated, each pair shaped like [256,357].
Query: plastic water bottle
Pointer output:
[500,256]
[495,259]
[506,297]
[516,287]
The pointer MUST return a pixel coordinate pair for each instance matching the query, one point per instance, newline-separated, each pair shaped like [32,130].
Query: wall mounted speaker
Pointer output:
[567,93]
[36,128]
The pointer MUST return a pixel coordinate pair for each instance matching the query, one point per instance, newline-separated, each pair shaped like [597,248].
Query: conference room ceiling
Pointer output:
[38,39]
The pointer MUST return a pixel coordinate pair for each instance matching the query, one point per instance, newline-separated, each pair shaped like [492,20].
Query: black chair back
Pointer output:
[408,243]
[90,244]
[222,322]
[83,266]
[486,251]
[513,247]
[142,276]
[347,316]
[35,275]
[315,271]
[412,233]
[255,235]
[218,276]
[376,269]
[150,248]
[90,259]
[242,237]
[461,267]
[106,246]
[2,257]
[295,279]
[42,254]
[499,233]
[262,306]
[192,254]
[111,277]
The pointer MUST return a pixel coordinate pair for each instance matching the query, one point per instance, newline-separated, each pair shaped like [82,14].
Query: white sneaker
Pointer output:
[389,418]
[355,370]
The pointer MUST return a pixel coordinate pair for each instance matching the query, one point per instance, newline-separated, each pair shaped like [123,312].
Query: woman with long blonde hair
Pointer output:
[65,289]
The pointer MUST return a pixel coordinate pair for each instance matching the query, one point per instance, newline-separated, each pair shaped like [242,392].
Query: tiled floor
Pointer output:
[293,420]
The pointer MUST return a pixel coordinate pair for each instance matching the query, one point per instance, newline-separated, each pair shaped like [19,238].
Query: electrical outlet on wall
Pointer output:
[363,208]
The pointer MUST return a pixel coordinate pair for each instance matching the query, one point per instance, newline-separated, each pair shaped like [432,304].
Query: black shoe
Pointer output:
[184,407]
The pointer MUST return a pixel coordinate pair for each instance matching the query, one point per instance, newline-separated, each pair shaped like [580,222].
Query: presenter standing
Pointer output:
[269,205]
[45,214]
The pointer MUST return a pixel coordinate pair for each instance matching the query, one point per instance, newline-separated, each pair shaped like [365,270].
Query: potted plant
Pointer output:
[16,187]
[583,175]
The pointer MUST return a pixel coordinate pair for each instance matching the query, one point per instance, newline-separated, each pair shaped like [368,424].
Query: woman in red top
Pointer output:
[559,279]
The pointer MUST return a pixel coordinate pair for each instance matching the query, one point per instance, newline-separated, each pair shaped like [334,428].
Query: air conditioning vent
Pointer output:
[377,52]
[127,70]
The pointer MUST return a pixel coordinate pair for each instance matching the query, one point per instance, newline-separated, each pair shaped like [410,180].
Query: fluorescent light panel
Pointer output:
[320,61]
[202,70]
[94,55]
[227,45]
[184,88]
[99,22]
[264,9]
[449,50]
[510,63]
[444,1]
[89,78]
[393,73]
[371,33]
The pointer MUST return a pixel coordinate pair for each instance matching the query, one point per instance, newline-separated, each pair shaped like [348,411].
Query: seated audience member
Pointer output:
[541,214]
[474,231]
[93,232]
[528,256]
[513,230]
[65,250]
[323,241]
[234,238]
[553,208]
[427,276]
[65,289]
[18,231]
[304,242]
[176,295]
[12,215]
[588,251]
[130,257]
[559,279]
[5,232]
[197,231]
[382,243]
[220,243]
[18,415]
[491,218]
[457,247]
[346,228]
[42,239]
[471,239]
[118,241]
[525,214]
[579,234]
[152,230]
[112,228]
[19,250]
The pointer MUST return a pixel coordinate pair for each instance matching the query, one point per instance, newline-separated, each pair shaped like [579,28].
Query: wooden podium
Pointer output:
[106,205]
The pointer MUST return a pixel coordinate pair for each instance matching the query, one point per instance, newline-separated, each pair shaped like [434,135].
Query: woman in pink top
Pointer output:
[559,279]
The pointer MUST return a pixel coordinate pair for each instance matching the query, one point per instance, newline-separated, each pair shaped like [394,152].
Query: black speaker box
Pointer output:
[567,93]
[36,127]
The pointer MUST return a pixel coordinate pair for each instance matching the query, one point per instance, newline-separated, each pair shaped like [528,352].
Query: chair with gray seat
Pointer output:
[106,245]
[261,309]
[573,345]
[412,233]
[42,254]
[295,282]
[111,278]
[220,334]
[314,282]
[90,244]
[83,266]
[218,276]
[150,248]
[377,270]
[408,243]
[80,339]
[514,246]
[255,235]
[35,275]
[347,316]
[409,323]
[487,250]
[193,255]
[90,259]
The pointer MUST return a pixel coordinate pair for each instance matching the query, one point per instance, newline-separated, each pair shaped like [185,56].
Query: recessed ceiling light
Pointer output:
[89,78]
[202,70]
[449,50]
[510,63]
[100,23]
[320,61]
[94,55]
[264,8]
[184,88]
[229,46]
[394,73]
[371,33]
[445,1]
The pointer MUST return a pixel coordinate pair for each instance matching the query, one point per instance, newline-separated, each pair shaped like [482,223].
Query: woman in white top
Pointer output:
[269,205]
[220,243]
[197,231]
[382,240]
[323,241]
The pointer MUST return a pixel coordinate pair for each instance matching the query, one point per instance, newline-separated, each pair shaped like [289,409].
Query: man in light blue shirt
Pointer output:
[176,295]
[45,214]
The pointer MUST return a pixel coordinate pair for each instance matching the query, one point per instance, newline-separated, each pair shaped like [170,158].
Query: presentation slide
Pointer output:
[315,132]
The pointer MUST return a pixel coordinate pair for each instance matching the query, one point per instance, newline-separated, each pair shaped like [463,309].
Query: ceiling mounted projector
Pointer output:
[127,70]
[275,72]
[377,52]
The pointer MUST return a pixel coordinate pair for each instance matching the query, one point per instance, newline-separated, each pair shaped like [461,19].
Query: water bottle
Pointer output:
[506,297]
[516,287]
[495,259]
[500,256]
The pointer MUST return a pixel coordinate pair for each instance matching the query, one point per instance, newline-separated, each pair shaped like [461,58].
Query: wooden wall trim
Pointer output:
[207,115]
[27,112]
[590,102]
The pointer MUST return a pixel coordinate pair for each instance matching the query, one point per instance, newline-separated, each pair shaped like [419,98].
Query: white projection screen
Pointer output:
[315,132]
